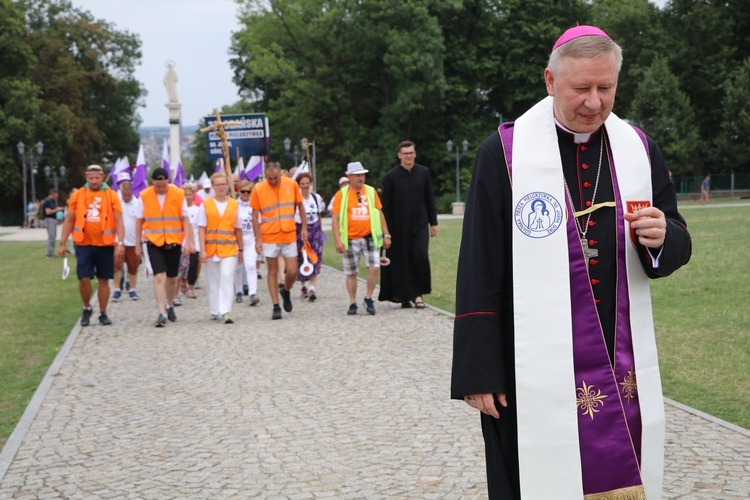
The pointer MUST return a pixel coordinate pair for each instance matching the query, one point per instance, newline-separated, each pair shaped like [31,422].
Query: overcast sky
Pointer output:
[195,34]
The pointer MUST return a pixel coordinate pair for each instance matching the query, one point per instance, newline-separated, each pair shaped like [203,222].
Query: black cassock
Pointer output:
[409,209]
[483,345]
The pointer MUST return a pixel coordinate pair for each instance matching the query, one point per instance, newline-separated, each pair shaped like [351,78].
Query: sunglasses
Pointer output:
[244,191]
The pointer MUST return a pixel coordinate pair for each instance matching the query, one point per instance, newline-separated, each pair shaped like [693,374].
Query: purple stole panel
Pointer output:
[609,421]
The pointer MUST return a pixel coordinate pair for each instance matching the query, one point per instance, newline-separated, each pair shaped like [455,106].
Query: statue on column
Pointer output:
[170,82]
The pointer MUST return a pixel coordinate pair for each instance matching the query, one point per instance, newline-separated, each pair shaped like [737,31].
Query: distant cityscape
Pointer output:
[152,139]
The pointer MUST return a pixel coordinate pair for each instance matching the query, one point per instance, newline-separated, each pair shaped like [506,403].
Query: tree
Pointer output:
[19,101]
[664,112]
[732,144]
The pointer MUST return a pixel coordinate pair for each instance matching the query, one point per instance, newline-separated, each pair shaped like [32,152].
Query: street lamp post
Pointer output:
[33,163]
[51,171]
[288,151]
[459,154]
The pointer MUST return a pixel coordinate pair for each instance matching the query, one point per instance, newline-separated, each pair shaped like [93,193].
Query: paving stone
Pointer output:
[317,405]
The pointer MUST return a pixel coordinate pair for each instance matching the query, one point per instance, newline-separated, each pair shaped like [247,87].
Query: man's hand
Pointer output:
[387,243]
[204,257]
[138,250]
[119,250]
[486,404]
[240,257]
[258,247]
[650,226]
[62,250]
[433,231]
[303,234]
[340,247]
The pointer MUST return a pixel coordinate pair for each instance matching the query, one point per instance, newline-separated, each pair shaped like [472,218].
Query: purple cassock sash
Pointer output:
[609,420]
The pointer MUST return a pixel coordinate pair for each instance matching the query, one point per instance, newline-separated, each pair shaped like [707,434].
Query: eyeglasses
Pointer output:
[245,191]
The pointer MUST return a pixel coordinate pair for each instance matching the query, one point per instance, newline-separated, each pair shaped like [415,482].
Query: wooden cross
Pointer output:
[219,126]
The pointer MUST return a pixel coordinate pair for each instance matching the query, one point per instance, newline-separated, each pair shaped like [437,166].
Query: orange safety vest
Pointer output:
[277,210]
[109,227]
[163,227]
[221,238]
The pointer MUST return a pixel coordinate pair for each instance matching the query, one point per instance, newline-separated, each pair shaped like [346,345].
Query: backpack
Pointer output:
[41,214]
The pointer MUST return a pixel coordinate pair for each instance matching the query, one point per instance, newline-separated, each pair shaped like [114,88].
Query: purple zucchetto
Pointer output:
[577,32]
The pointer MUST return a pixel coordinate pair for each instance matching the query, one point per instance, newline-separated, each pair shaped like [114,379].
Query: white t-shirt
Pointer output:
[221,207]
[314,206]
[131,211]
[193,211]
[245,212]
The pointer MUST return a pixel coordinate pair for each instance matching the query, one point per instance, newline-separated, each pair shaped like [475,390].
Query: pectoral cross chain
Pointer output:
[588,253]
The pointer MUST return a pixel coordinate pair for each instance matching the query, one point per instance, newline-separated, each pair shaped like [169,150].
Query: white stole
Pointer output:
[549,457]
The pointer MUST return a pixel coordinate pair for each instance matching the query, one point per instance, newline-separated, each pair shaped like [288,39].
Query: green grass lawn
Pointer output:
[39,310]
[701,315]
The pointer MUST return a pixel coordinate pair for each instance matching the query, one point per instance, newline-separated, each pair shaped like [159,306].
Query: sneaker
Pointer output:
[313,297]
[228,319]
[86,316]
[304,292]
[254,300]
[276,312]
[214,317]
[104,319]
[238,298]
[287,296]
[352,310]
[116,296]
[370,306]
[161,321]
[171,315]
[177,302]
[134,295]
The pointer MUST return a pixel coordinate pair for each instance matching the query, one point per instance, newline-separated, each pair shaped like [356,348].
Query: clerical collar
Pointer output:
[578,138]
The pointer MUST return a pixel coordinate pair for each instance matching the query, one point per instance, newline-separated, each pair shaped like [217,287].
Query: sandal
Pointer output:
[419,304]
[191,294]
[406,305]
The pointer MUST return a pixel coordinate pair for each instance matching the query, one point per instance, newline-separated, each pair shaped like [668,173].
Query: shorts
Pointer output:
[364,246]
[95,261]
[165,259]
[129,258]
[273,250]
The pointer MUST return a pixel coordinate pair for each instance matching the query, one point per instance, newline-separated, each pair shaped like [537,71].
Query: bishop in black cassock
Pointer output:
[484,336]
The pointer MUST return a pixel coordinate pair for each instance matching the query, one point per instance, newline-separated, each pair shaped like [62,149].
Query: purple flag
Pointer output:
[140,178]
[179,176]
[218,166]
[165,160]
[256,168]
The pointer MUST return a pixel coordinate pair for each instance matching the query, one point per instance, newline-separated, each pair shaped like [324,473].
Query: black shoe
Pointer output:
[370,306]
[276,312]
[161,321]
[406,305]
[86,317]
[287,296]
[352,310]
[312,298]
[244,290]
[104,319]
[172,316]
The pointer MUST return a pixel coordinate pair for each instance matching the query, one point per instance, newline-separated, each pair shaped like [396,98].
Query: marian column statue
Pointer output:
[174,106]
[170,82]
